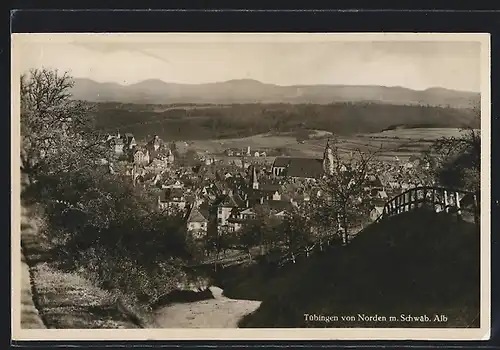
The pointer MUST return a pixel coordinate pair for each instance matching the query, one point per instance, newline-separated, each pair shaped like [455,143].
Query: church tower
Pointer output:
[156,142]
[328,160]
[255,180]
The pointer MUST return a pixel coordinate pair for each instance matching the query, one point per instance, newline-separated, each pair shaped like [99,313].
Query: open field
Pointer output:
[417,133]
[210,122]
[402,143]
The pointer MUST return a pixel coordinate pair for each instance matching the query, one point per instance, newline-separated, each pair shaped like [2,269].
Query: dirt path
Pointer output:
[220,312]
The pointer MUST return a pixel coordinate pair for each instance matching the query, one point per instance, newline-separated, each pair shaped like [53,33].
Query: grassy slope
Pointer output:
[417,263]
[65,300]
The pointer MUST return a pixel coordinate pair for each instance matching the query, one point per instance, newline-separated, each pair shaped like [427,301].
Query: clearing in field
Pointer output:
[403,143]
[417,133]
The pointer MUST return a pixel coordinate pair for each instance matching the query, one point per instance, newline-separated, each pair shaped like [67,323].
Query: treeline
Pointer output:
[240,120]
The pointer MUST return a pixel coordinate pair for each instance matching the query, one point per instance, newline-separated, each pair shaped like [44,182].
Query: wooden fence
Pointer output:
[438,198]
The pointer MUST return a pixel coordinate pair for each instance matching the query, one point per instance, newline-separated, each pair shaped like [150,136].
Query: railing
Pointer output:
[438,198]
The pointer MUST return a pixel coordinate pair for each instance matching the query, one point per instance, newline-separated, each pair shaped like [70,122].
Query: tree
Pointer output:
[457,160]
[262,224]
[248,237]
[302,135]
[174,150]
[324,221]
[296,233]
[342,189]
[99,222]
[56,132]
[216,242]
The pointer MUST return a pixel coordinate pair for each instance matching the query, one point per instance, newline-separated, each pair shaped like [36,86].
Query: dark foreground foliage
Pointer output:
[419,263]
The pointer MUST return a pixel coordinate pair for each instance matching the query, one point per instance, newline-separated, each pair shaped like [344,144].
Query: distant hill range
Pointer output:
[253,91]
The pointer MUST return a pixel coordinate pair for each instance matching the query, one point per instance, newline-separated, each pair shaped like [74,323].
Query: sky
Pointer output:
[413,64]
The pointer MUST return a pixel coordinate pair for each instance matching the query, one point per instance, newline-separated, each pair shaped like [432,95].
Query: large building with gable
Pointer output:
[304,167]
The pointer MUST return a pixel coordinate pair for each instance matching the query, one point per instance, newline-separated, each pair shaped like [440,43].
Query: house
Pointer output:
[157,164]
[129,141]
[238,217]
[172,198]
[279,165]
[376,212]
[158,150]
[298,167]
[382,195]
[197,222]
[141,156]
[279,208]
[276,196]
[176,184]
[155,143]
[116,144]
[247,214]
[305,167]
[225,205]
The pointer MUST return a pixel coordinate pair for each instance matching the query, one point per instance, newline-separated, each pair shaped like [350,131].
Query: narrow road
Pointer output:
[220,312]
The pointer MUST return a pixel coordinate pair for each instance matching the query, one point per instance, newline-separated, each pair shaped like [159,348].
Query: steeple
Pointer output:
[328,160]
[255,180]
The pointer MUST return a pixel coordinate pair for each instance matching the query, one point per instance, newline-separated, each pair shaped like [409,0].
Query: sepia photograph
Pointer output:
[250,186]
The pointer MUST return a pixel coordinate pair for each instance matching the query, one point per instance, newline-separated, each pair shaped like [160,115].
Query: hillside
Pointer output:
[202,122]
[251,91]
[392,268]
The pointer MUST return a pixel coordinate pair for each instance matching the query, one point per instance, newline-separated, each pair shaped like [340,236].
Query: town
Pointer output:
[221,192]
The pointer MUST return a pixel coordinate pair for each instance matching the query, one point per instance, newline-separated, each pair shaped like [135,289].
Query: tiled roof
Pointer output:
[281,162]
[171,193]
[270,187]
[279,205]
[300,167]
[195,215]
[229,201]
[305,167]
